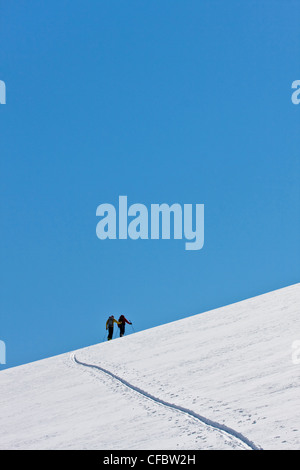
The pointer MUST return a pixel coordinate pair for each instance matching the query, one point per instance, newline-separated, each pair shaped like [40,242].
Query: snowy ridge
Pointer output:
[223,379]
[206,421]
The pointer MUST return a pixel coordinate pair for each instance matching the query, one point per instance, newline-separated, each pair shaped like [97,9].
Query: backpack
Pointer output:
[110,321]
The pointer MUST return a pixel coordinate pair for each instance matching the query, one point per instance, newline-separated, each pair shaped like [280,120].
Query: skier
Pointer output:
[122,321]
[110,326]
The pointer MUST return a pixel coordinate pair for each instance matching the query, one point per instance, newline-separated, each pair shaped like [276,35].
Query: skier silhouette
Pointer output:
[121,325]
[110,326]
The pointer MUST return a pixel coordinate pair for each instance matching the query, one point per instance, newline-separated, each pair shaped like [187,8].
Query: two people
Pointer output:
[121,324]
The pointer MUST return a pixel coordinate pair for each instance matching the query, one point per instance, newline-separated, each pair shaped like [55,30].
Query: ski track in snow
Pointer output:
[208,422]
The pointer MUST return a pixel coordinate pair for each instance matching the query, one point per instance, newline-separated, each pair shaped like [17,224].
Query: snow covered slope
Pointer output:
[224,379]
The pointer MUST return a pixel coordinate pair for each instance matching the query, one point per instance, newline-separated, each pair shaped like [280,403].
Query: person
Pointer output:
[110,326]
[122,321]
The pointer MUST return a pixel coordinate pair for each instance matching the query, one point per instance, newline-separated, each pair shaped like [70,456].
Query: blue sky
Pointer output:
[165,102]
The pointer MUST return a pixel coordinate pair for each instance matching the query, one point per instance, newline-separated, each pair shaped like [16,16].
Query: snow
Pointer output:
[223,379]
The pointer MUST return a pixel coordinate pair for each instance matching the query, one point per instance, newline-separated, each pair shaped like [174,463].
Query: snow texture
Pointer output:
[223,379]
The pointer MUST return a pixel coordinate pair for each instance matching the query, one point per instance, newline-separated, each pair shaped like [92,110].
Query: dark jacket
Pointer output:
[122,320]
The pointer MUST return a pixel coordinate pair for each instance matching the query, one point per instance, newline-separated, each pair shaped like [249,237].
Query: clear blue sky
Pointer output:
[162,101]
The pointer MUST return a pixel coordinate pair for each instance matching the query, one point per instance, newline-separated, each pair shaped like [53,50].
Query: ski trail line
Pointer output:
[208,422]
